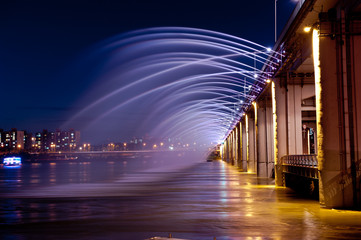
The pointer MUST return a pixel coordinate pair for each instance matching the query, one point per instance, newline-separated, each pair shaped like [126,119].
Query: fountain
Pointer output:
[173,83]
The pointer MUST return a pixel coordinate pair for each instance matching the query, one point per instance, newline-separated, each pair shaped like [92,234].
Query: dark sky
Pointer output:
[41,42]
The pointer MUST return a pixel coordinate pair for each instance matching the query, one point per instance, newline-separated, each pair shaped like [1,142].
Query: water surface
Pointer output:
[203,201]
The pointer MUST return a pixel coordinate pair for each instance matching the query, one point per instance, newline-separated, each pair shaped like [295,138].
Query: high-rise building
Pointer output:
[44,141]
[12,140]
[38,141]
[67,140]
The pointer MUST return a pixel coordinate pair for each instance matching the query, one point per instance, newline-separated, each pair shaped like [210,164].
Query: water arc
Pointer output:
[173,83]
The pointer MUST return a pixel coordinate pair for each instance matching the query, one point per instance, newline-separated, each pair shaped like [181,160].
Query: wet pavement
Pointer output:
[210,200]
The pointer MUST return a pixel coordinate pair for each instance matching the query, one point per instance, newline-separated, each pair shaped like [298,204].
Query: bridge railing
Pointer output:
[301,165]
[309,161]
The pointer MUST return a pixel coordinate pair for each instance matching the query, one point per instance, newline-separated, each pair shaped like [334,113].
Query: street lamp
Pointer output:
[275,20]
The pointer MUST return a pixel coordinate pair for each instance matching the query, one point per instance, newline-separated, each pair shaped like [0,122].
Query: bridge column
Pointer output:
[294,118]
[256,139]
[230,148]
[280,130]
[252,151]
[226,150]
[240,145]
[337,77]
[265,139]
[356,87]
[229,144]
[235,146]
[245,143]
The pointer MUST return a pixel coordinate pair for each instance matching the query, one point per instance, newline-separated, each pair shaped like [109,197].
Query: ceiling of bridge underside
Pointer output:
[306,66]
[300,42]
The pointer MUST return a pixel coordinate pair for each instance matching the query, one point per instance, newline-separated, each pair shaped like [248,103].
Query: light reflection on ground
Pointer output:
[210,200]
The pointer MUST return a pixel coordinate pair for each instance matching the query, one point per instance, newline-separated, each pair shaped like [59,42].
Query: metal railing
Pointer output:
[300,160]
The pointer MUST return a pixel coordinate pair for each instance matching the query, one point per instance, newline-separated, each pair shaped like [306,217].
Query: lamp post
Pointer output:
[275,21]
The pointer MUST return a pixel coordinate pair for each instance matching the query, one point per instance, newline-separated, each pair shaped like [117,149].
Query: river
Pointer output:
[139,198]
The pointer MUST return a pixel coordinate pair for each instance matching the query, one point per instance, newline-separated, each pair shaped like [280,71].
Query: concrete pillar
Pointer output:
[236,146]
[229,144]
[294,100]
[256,143]
[245,144]
[234,141]
[337,81]
[252,161]
[230,150]
[240,146]
[265,136]
[227,149]
[269,141]
[280,128]
[355,43]
[262,142]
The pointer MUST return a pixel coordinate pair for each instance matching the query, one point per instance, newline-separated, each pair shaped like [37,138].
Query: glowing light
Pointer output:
[268,80]
[307,29]
[318,93]
[12,162]
[247,143]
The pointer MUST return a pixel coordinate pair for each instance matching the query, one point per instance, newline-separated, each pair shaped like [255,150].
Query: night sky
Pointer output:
[43,42]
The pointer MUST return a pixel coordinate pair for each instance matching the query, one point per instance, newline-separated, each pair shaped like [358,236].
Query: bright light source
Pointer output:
[255,75]
[268,80]
[307,29]
[269,49]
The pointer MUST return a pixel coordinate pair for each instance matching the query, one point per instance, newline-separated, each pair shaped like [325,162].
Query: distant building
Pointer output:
[38,141]
[67,140]
[12,140]
[44,141]
[28,141]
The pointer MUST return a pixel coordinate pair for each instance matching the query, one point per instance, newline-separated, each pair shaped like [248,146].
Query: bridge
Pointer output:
[304,129]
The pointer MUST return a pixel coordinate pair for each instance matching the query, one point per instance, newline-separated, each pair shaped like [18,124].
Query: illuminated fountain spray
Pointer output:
[173,83]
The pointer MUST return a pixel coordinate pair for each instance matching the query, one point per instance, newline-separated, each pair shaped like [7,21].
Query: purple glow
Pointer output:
[185,83]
